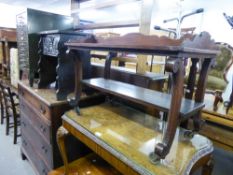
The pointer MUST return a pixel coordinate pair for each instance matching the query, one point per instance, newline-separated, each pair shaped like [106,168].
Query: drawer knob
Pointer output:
[42,128]
[24,142]
[44,171]
[42,109]
[44,149]
[23,124]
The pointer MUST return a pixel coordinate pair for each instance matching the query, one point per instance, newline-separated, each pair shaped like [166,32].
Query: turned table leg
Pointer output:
[61,135]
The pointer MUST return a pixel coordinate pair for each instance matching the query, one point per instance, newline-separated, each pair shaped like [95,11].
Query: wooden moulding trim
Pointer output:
[218,119]
[216,114]
[198,155]
[198,43]
[188,106]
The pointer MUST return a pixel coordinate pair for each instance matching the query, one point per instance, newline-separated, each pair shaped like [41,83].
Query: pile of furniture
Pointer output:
[109,129]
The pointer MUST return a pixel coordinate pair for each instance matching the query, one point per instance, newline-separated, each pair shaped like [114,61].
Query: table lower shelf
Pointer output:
[147,97]
[130,136]
[90,164]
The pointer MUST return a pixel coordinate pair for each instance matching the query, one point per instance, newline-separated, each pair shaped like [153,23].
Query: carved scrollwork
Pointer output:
[200,41]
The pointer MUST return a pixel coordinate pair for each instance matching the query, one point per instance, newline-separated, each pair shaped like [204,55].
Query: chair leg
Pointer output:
[23,157]
[7,124]
[2,113]
[15,132]
[218,98]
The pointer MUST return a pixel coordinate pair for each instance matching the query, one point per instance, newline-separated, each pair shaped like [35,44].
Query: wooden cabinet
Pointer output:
[40,117]
[7,41]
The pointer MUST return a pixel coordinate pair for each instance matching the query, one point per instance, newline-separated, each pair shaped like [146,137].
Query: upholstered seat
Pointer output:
[217,81]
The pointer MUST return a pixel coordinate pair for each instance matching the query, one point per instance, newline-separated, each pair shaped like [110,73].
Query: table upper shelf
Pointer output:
[199,46]
[161,101]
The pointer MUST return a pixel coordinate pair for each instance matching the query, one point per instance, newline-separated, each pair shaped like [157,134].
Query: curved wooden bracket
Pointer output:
[200,92]
[162,149]
[74,101]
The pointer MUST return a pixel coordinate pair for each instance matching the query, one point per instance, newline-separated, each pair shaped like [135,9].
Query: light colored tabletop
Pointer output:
[131,136]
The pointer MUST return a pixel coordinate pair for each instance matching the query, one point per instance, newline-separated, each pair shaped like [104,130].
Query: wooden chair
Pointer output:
[217,80]
[11,110]
[2,106]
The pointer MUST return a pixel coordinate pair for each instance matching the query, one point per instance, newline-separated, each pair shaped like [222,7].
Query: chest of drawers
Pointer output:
[40,117]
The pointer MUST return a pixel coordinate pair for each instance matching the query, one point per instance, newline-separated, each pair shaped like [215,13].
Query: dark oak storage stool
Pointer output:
[90,164]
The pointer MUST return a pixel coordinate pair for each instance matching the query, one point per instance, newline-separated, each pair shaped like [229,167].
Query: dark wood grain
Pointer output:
[198,46]
[107,67]
[148,80]
[190,85]
[138,43]
[41,117]
[163,148]
[142,95]
[191,79]
[200,92]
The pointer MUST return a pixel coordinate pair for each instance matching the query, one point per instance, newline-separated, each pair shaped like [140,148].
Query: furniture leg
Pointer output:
[191,79]
[15,129]
[218,98]
[61,134]
[190,85]
[162,149]
[2,113]
[108,61]
[23,157]
[7,124]
[200,92]
[208,168]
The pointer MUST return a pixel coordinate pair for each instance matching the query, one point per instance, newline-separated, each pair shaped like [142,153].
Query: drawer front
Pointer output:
[38,142]
[40,124]
[41,108]
[32,155]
